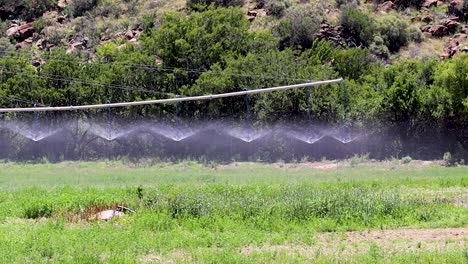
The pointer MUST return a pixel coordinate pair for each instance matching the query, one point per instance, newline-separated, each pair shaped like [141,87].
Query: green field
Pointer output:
[235,213]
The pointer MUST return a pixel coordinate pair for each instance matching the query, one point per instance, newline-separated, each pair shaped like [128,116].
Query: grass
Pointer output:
[187,212]
[117,174]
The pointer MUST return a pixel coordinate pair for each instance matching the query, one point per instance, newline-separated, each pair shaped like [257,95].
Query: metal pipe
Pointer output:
[170,100]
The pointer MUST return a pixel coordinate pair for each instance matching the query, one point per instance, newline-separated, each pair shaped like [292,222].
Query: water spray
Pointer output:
[345,101]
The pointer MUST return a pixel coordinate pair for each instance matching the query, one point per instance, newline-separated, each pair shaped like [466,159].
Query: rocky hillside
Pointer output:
[420,28]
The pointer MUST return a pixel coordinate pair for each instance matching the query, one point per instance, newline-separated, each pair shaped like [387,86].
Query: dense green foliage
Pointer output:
[200,5]
[25,9]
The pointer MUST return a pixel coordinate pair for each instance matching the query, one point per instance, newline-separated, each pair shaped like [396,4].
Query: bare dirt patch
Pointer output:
[360,242]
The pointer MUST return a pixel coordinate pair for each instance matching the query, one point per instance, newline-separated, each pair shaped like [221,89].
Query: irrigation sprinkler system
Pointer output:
[172,137]
[171,100]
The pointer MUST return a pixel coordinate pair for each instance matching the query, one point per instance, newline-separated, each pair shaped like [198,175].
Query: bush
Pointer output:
[300,26]
[378,48]
[415,34]
[340,3]
[200,5]
[358,159]
[464,10]
[79,7]
[448,159]
[394,32]
[352,63]
[6,46]
[276,7]
[54,35]
[406,160]
[25,9]
[357,25]
[37,211]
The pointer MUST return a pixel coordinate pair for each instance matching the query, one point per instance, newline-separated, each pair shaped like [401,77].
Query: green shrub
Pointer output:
[415,34]
[464,10]
[378,48]
[6,46]
[79,7]
[340,3]
[299,26]
[39,24]
[448,159]
[276,7]
[358,159]
[352,63]
[37,211]
[394,32]
[358,25]
[200,5]
[25,9]
[147,22]
[406,160]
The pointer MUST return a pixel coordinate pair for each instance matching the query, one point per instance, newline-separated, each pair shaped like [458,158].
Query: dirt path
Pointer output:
[360,242]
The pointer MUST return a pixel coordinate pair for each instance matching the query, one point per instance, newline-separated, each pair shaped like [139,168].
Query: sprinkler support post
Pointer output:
[345,101]
[35,123]
[309,117]
[109,120]
[247,109]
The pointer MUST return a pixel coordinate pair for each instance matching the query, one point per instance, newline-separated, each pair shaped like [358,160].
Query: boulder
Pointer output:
[252,13]
[62,4]
[464,30]
[453,45]
[25,31]
[37,61]
[12,31]
[430,3]
[426,28]
[331,33]
[108,214]
[451,24]
[129,34]
[21,45]
[438,31]
[50,14]
[427,19]
[60,19]
[450,49]
[41,44]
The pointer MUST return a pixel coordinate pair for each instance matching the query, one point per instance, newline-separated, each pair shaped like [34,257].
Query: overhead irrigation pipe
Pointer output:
[171,100]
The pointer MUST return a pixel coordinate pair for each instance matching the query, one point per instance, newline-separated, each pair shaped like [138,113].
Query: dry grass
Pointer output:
[359,242]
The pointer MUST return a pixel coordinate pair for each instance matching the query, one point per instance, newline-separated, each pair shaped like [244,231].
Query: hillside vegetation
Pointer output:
[403,61]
